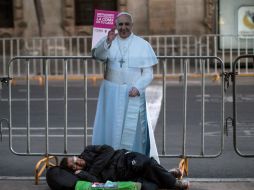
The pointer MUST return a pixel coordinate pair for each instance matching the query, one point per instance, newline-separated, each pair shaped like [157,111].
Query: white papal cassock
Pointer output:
[122,121]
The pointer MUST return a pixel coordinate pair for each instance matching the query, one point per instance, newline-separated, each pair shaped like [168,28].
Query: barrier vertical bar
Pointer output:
[85,101]
[200,52]
[41,44]
[203,107]
[56,54]
[18,53]
[181,54]
[48,53]
[187,48]
[238,54]
[164,106]
[73,47]
[222,47]
[65,104]
[34,60]
[158,51]
[4,56]
[196,46]
[85,45]
[46,104]
[11,47]
[222,105]
[207,52]
[78,54]
[215,52]
[185,107]
[165,53]
[28,105]
[63,45]
[10,106]
[173,54]
[231,55]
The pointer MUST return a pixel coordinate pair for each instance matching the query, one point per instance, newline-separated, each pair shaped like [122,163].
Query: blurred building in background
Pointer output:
[32,18]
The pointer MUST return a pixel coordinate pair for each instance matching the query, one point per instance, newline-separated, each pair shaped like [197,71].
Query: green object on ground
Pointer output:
[121,185]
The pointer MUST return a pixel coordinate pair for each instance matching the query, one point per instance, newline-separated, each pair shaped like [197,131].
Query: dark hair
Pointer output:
[64,163]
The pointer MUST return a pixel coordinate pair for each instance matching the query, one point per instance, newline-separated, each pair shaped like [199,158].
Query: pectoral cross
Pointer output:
[121,62]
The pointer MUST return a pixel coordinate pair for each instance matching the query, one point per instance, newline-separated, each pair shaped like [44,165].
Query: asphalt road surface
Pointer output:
[226,163]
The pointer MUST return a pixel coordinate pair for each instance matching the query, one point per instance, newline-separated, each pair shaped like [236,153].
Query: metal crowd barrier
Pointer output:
[50,158]
[224,46]
[247,58]
[185,62]
[203,61]
[45,59]
[227,47]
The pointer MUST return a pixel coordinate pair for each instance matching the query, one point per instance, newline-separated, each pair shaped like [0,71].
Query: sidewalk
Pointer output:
[196,184]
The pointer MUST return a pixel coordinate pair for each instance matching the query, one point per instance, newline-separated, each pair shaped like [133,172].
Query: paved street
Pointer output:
[13,184]
[228,165]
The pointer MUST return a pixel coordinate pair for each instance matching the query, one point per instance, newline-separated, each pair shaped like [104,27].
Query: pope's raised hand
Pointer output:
[111,35]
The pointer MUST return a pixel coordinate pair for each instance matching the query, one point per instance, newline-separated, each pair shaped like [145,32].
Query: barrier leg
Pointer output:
[43,164]
[216,77]
[40,80]
[183,165]
[94,80]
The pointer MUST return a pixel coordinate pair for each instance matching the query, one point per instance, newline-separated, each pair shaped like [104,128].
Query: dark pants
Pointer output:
[147,171]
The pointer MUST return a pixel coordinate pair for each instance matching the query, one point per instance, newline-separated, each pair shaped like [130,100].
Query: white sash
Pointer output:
[130,123]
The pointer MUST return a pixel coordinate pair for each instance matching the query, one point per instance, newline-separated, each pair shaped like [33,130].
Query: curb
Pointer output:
[28,178]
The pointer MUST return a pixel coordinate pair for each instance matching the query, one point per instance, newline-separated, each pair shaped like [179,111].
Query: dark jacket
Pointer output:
[103,163]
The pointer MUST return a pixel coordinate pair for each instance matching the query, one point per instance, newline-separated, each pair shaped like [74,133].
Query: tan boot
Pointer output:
[182,185]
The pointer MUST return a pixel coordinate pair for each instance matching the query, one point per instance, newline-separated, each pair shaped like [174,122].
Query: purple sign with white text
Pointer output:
[103,22]
[104,19]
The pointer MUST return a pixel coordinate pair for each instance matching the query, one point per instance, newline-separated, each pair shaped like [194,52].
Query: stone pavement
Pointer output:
[196,184]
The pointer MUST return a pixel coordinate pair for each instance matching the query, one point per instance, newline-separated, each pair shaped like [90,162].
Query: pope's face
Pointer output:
[124,26]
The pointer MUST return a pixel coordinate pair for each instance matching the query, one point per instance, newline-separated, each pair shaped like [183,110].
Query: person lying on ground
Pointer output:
[99,163]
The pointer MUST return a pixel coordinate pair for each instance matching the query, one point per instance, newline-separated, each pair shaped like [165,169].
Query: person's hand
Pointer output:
[133,92]
[111,35]
[77,172]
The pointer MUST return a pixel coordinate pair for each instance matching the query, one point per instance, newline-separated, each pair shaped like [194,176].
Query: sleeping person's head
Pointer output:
[73,163]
